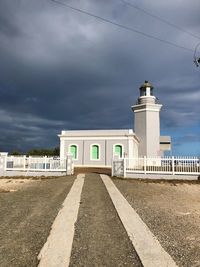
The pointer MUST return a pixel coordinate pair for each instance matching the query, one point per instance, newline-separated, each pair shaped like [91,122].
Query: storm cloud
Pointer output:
[60,69]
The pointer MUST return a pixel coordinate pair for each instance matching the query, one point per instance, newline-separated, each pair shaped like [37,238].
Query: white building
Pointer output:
[97,147]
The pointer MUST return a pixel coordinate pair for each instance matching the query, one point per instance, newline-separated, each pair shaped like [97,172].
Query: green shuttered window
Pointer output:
[118,150]
[95,152]
[73,151]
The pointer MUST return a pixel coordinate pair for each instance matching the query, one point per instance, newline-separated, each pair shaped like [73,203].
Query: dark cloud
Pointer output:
[63,70]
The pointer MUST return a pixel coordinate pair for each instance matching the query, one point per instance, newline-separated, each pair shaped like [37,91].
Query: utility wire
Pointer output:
[160,18]
[130,29]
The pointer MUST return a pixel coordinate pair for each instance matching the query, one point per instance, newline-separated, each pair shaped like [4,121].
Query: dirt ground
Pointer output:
[28,208]
[172,212]
[12,185]
[27,213]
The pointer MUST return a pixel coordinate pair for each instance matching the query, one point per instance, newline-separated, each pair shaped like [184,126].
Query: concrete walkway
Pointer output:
[57,250]
[147,246]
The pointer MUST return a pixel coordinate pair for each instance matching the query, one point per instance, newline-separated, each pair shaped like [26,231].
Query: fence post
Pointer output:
[24,162]
[3,163]
[124,166]
[112,163]
[69,165]
[173,165]
[29,162]
[145,164]
[45,163]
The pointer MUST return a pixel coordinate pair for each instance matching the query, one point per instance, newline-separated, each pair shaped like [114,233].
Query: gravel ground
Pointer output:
[26,218]
[172,212]
[28,208]
[100,239]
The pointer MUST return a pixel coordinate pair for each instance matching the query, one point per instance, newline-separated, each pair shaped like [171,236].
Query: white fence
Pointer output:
[156,165]
[19,165]
[45,163]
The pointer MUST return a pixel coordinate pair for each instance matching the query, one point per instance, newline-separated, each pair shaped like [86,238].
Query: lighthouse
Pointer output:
[94,148]
[147,121]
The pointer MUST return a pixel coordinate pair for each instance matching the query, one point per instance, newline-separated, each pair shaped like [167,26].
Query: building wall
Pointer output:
[87,153]
[106,149]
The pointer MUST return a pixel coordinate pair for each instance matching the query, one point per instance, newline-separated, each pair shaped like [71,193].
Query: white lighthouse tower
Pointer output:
[147,121]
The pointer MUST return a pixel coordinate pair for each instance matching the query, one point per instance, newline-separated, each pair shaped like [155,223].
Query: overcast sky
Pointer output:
[60,69]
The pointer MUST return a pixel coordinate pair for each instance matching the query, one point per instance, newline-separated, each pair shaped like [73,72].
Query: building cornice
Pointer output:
[72,138]
[97,133]
[146,107]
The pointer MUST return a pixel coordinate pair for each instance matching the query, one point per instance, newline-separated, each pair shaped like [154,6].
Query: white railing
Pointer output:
[165,165]
[31,163]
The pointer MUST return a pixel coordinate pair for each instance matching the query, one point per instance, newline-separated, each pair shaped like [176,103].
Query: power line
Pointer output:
[160,18]
[122,26]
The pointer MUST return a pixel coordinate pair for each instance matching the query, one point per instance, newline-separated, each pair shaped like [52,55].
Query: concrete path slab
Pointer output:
[149,250]
[57,250]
